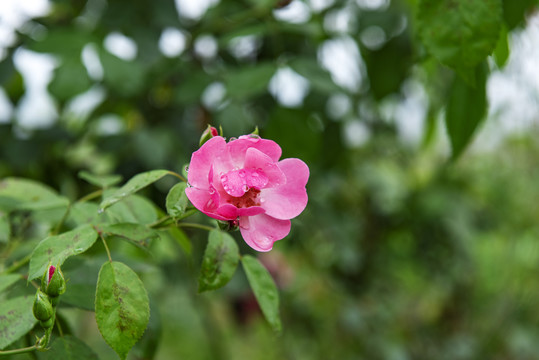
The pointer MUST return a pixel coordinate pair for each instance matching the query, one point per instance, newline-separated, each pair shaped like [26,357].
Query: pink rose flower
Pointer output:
[244,181]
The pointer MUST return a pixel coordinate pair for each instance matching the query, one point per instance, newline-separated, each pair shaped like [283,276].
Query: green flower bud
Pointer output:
[208,134]
[42,307]
[47,324]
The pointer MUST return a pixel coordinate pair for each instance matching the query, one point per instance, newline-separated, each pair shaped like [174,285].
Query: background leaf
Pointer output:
[264,289]
[460,33]
[17,193]
[5,229]
[220,261]
[136,183]
[17,319]
[55,249]
[466,109]
[103,181]
[6,280]
[121,307]
[69,347]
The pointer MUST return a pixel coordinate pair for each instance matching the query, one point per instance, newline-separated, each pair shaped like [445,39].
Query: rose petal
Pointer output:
[255,159]
[206,203]
[250,211]
[213,152]
[237,149]
[261,231]
[289,200]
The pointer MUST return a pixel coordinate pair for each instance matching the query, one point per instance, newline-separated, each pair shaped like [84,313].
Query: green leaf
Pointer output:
[5,228]
[249,81]
[220,261]
[264,289]
[136,234]
[70,79]
[7,280]
[177,200]
[24,194]
[69,347]
[17,319]
[103,181]
[460,33]
[466,109]
[57,248]
[501,53]
[121,307]
[82,213]
[81,278]
[318,77]
[514,11]
[126,78]
[133,209]
[133,185]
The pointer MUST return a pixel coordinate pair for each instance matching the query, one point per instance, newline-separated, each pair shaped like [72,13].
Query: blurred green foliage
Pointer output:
[400,254]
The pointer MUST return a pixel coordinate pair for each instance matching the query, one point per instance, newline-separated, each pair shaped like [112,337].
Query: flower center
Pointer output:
[250,198]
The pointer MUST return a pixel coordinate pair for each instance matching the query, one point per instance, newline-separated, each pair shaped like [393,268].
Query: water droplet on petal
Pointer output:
[262,200]
[254,136]
[187,168]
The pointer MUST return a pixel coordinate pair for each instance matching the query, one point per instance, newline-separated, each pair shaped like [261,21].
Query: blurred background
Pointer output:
[401,253]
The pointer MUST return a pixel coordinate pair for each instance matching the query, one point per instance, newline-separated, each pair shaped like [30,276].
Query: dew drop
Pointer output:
[187,168]
[254,136]
[232,139]
[254,175]
[242,174]
[262,200]
[101,211]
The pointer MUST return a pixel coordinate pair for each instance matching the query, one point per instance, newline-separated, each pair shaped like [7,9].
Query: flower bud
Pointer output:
[42,307]
[53,282]
[208,134]
[228,225]
[47,324]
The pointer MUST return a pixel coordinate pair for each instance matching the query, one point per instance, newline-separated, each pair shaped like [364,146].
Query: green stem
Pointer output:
[177,175]
[106,247]
[159,221]
[91,196]
[197,226]
[18,351]
[18,264]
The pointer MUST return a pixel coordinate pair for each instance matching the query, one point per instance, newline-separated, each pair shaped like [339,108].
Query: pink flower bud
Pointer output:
[209,133]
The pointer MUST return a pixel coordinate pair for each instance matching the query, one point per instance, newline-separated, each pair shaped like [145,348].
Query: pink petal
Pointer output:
[255,159]
[213,152]
[204,201]
[261,231]
[289,200]
[238,148]
[250,211]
